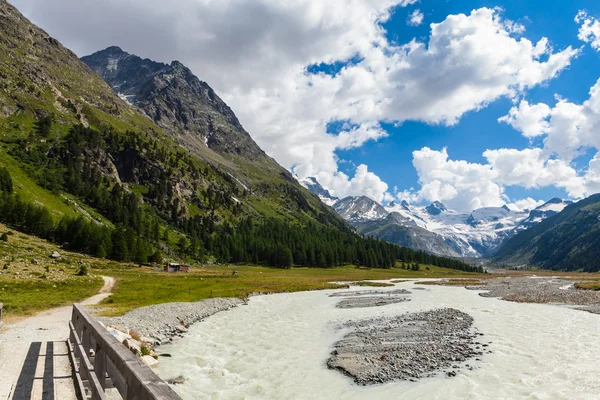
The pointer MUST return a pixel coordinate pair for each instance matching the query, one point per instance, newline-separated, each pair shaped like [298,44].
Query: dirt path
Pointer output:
[34,362]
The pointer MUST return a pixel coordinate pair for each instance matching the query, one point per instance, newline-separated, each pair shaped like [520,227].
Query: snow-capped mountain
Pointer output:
[358,209]
[544,211]
[435,228]
[314,186]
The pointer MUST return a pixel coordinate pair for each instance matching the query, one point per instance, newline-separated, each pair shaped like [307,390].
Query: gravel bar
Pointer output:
[538,289]
[407,347]
[369,293]
[162,322]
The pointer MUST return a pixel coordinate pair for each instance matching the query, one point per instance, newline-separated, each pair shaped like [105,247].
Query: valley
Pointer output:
[158,166]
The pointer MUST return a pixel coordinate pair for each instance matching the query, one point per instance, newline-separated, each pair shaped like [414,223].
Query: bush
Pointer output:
[4,237]
[83,270]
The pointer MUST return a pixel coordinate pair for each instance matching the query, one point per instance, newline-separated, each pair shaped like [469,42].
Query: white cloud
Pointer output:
[363,183]
[415,18]
[525,204]
[255,54]
[459,185]
[589,31]
[530,120]
[465,186]
[569,128]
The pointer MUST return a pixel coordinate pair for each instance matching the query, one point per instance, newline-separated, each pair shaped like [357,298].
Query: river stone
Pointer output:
[405,347]
[149,361]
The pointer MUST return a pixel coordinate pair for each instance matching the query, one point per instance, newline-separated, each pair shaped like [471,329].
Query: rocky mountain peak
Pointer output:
[436,208]
[312,184]
[176,100]
[360,208]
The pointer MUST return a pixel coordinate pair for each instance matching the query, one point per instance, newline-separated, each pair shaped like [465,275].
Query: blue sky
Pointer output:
[391,158]
[388,109]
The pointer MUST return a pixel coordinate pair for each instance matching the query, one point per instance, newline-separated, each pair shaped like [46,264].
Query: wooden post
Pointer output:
[100,365]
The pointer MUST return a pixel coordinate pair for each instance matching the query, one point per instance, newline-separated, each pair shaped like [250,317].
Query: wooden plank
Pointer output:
[80,388]
[132,379]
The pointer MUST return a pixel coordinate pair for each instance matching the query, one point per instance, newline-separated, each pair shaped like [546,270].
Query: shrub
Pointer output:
[145,351]
[4,237]
[83,270]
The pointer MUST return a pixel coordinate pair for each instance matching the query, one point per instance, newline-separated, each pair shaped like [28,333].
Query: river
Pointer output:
[276,348]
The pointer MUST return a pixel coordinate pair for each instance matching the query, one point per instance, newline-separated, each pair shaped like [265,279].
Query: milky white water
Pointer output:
[276,348]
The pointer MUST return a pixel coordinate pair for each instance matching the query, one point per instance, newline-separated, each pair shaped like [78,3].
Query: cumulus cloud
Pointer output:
[568,128]
[256,54]
[459,184]
[363,183]
[415,18]
[530,120]
[465,186]
[589,31]
[525,204]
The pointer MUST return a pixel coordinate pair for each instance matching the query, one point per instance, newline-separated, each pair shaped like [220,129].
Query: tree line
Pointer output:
[152,220]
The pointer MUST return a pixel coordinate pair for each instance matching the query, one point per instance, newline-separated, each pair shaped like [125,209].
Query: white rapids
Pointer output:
[276,348]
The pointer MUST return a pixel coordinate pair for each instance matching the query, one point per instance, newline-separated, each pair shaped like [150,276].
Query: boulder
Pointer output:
[176,381]
[120,336]
[133,345]
[55,255]
[149,361]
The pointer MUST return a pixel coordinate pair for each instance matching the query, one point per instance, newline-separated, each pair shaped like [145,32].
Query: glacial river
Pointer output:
[276,348]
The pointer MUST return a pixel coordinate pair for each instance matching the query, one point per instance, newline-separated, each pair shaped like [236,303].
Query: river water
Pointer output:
[276,348]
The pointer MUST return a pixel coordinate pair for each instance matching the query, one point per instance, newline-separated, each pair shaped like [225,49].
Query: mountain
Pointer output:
[356,209]
[395,228]
[437,229]
[542,212]
[170,171]
[177,101]
[315,187]
[436,208]
[569,240]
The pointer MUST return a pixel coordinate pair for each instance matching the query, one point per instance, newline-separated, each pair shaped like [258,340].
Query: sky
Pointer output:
[472,103]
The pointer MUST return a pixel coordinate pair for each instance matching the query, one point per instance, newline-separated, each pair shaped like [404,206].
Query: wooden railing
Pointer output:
[100,362]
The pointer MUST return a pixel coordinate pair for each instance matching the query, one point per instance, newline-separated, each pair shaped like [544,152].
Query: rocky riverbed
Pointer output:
[355,293]
[161,322]
[541,289]
[368,301]
[407,347]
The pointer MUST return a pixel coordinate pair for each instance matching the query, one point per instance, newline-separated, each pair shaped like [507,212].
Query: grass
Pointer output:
[26,297]
[31,281]
[588,285]
[140,287]
[29,190]
[372,284]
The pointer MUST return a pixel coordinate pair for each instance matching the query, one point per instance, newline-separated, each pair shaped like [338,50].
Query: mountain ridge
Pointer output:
[569,240]
[437,229]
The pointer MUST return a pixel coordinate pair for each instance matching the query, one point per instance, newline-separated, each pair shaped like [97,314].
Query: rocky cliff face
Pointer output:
[176,100]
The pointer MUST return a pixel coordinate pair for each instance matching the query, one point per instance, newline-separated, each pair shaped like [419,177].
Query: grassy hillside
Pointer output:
[567,241]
